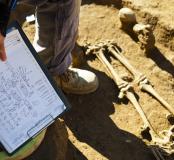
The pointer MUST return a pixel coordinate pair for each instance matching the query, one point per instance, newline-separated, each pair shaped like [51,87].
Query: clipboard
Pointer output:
[46,119]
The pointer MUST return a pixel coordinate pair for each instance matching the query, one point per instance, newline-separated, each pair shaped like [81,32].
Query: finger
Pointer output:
[3,56]
[2,52]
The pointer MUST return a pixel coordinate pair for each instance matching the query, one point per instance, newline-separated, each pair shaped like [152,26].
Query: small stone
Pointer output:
[126,15]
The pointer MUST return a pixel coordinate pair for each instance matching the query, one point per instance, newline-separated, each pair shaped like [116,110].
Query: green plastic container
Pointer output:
[26,150]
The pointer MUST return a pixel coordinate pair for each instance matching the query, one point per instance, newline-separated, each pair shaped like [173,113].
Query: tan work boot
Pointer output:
[78,56]
[77,81]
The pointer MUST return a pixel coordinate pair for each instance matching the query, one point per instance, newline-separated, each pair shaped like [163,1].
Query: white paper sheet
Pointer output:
[28,102]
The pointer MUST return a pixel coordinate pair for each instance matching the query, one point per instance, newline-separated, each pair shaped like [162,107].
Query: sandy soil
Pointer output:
[100,126]
[159,14]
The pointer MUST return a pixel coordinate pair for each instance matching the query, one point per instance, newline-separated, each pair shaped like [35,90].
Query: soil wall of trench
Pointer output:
[151,12]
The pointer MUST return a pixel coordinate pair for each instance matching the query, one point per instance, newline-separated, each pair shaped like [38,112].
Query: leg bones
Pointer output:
[163,140]
[126,90]
[140,78]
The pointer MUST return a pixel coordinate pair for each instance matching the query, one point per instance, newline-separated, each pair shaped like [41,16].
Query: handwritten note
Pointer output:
[28,101]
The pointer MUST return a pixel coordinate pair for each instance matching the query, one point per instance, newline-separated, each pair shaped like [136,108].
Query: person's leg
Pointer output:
[72,80]
[45,31]
[67,20]
[56,29]
[45,22]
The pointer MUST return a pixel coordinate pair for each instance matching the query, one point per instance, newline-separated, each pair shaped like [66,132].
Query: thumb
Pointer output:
[3,56]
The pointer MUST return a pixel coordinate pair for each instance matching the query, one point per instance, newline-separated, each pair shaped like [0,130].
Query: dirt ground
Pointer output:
[100,126]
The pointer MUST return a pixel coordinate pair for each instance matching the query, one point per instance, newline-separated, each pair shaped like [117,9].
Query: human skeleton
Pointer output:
[164,139]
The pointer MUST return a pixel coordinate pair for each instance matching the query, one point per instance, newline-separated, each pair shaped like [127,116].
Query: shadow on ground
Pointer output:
[74,153]
[161,61]
[156,55]
[89,120]
[90,123]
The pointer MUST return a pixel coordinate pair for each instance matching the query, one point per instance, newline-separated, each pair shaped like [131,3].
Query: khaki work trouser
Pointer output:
[56,31]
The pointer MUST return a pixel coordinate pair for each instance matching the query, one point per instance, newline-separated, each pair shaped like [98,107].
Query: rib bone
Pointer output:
[140,78]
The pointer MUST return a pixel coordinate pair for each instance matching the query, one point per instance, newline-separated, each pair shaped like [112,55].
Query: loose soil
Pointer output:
[100,126]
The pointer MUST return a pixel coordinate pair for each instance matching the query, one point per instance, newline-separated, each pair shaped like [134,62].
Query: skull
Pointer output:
[145,36]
